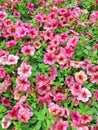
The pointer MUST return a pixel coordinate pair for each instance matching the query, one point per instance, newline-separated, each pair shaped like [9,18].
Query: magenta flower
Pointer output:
[42,80]
[5,102]
[30,7]
[11,43]
[76,117]
[59,97]
[49,58]
[2,72]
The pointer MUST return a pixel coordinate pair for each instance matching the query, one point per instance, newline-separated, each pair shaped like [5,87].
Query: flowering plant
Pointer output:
[48,65]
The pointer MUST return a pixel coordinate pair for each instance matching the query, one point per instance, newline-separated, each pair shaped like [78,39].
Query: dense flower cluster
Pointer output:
[48,57]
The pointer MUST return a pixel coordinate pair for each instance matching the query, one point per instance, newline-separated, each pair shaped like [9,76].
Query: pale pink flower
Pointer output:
[80,77]
[37,44]
[22,84]
[42,80]
[11,43]
[24,114]
[28,50]
[51,48]
[75,89]
[5,102]
[56,109]
[75,64]
[12,59]
[6,122]
[2,72]
[61,59]
[30,6]
[49,58]
[76,117]
[25,70]
[84,95]
[3,15]
[59,97]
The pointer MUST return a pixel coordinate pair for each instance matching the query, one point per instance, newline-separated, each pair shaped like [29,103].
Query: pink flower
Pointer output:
[86,119]
[24,114]
[7,80]
[28,50]
[84,95]
[96,95]
[22,84]
[44,99]
[69,81]
[75,64]
[11,43]
[47,35]
[3,15]
[50,48]
[21,31]
[12,59]
[80,77]
[49,58]
[75,89]
[6,122]
[5,102]
[37,44]
[2,72]
[94,17]
[63,37]
[55,42]
[76,117]
[42,80]
[12,30]
[53,72]
[17,14]
[56,109]
[25,70]
[43,89]
[85,64]
[60,124]
[33,33]
[59,97]
[68,51]
[61,59]
[8,23]
[94,78]
[30,6]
